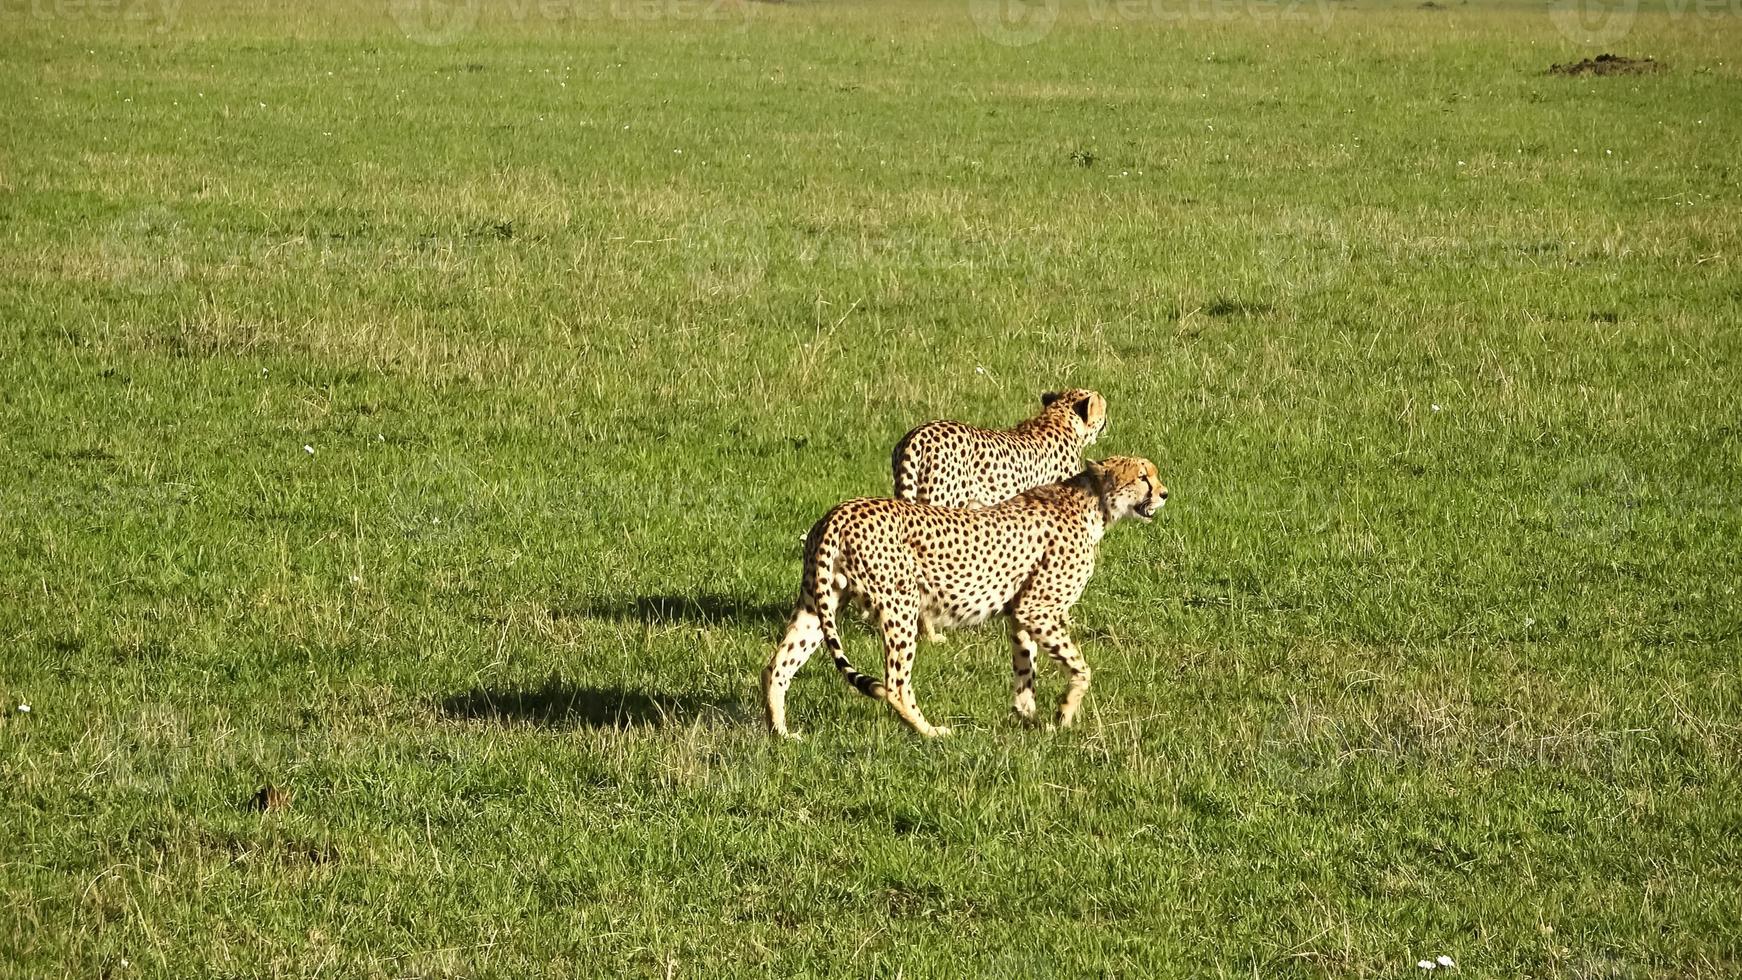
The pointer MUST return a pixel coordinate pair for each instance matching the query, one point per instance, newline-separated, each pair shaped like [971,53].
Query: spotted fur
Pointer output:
[954,464]
[1028,558]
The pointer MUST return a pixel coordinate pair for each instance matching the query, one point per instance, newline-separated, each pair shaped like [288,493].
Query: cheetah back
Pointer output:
[953,464]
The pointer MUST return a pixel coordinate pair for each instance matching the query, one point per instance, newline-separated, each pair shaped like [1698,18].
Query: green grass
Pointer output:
[1432,651]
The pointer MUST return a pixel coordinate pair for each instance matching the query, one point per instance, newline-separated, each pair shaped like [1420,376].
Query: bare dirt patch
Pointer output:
[1609,64]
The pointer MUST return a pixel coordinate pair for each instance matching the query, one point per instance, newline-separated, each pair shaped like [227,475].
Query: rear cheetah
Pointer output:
[954,464]
[1028,557]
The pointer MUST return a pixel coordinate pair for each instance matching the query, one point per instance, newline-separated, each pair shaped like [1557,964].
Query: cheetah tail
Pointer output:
[820,591]
[905,461]
[859,682]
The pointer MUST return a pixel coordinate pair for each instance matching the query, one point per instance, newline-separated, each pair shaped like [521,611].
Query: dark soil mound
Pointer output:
[1608,64]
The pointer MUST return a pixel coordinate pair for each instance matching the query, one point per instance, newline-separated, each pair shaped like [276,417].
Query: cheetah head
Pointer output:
[1087,411]
[1129,485]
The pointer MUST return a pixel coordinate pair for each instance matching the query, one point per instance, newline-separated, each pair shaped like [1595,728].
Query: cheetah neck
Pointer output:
[1097,509]
[1042,425]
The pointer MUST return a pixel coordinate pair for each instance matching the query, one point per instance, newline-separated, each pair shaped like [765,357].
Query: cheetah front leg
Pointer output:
[900,623]
[1052,636]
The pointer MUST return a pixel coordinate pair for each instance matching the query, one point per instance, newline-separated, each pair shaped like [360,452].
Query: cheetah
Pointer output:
[1028,557]
[954,464]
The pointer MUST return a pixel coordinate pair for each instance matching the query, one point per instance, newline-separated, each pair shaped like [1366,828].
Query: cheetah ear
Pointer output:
[1082,408]
[1096,470]
[1047,398]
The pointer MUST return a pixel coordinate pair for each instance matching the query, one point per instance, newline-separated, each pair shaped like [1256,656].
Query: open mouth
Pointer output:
[1147,509]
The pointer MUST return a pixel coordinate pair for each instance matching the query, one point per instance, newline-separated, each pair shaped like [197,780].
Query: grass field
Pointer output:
[426,426]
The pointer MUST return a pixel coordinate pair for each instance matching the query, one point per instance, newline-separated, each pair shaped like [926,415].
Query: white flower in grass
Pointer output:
[308,449]
[24,708]
[1445,961]
[1426,964]
[1436,408]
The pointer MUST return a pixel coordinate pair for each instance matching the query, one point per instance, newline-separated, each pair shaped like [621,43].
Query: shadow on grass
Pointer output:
[699,607]
[557,705]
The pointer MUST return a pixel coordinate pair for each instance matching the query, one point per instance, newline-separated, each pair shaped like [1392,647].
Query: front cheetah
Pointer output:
[1028,557]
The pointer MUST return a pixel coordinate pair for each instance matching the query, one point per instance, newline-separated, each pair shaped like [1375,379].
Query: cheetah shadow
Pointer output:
[699,608]
[555,704]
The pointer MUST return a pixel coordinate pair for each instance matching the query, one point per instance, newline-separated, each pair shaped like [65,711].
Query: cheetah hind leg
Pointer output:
[804,633]
[899,626]
[1022,650]
[930,630]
